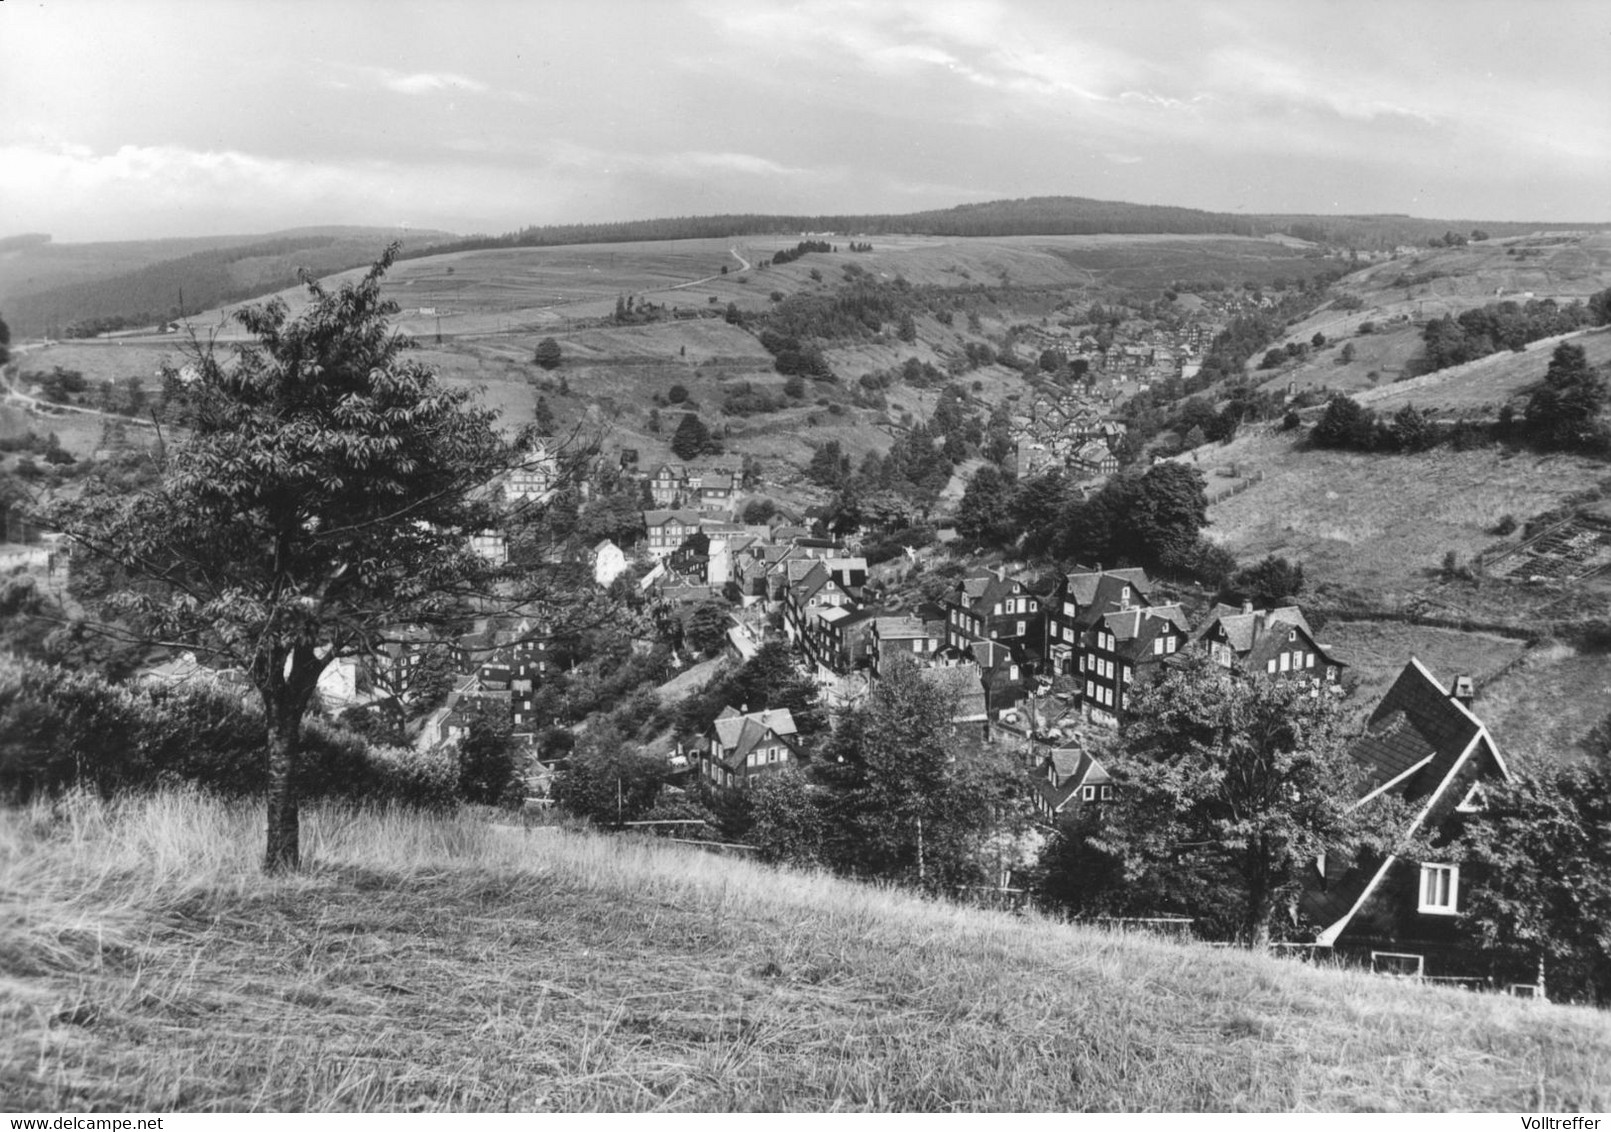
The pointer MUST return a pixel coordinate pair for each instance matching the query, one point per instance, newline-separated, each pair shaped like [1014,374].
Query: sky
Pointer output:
[181,118]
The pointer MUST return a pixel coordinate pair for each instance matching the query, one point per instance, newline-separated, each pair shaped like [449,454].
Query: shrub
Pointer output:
[1507,523]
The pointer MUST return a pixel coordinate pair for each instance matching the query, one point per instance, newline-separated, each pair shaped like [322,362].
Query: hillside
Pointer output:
[443,964]
[47,288]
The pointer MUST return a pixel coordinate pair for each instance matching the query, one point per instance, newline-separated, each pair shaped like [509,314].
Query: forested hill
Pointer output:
[1034,216]
[116,285]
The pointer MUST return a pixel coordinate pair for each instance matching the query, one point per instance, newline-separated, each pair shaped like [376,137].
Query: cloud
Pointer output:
[424,82]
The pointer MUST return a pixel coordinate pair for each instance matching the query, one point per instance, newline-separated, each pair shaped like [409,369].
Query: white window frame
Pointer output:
[1439,891]
[1270,666]
[1088,793]
[1377,967]
[1286,662]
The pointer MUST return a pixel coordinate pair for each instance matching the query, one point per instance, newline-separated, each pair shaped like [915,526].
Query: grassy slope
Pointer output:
[445,964]
[1378,524]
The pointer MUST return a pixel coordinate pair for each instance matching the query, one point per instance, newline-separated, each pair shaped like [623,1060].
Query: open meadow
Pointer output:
[443,963]
[1375,652]
[1543,710]
[1379,525]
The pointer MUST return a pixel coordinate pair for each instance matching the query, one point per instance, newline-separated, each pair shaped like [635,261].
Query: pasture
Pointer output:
[444,963]
[1377,524]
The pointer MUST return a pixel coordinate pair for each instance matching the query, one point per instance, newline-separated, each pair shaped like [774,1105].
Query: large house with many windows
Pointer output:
[1273,642]
[744,747]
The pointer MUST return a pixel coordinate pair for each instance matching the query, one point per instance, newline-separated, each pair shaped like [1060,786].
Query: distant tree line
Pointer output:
[1480,331]
[804,247]
[1562,412]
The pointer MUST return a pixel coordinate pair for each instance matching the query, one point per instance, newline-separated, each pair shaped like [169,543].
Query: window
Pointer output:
[1021,628]
[1440,889]
[1124,674]
[1396,963]
[1286,661]
[1309,660]
[1124,594]
[1292,635]
[1173,644]
[1068,609]
[1088,793]
[1475,801]
[1270,667]
[1107,793]
[1090,690]
[1158,646]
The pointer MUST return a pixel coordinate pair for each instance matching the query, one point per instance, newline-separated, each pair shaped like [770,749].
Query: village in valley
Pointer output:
[799,557]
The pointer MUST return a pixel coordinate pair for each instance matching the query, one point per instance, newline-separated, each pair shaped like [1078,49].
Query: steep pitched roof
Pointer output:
[1416,742]
[1097,594]
[738,733]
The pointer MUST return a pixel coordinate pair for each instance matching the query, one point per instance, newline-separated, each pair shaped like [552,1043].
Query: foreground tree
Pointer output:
[1564,410]
[319,490]
[1542,848]
[907,798]
[1226,789]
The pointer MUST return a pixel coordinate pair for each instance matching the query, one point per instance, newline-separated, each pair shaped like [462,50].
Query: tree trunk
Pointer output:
[283,853]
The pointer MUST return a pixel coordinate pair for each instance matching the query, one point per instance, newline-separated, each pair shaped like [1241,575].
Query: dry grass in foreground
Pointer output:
[441,963]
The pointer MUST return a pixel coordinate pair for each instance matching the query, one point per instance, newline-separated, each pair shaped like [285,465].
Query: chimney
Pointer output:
[1247,607]
[1465,691]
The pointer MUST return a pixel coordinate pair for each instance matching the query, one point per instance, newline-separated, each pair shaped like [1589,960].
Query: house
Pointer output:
[668,530]
[1275,642]
[667,485]
[716,491]
[1078,602]
[1066,781]
[534,478]
[1122,647]
[991,607]
[745,746]
[809,585]
[904,636]
[1094,460]
[491,545]
[1424,745]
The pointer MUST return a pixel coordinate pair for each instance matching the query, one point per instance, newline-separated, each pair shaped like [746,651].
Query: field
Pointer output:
[1378,525]
[1541,711]
[1482,387]
[1376,652]
[442,963]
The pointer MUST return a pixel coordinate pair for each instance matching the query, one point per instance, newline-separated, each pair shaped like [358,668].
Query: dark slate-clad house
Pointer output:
[1423,744]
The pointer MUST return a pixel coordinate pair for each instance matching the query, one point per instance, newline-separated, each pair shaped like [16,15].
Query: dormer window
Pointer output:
[1292,635]
[1475,801]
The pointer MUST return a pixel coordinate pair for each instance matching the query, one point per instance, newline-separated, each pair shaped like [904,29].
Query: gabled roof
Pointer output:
[1072,770]
[734,730]
[717,481]
[1134,630]
[899,628]
[1415,744]
[661,518]
[1244,627]
[1096,592]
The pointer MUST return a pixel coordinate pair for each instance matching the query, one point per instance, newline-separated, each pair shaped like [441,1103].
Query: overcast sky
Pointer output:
[138,118]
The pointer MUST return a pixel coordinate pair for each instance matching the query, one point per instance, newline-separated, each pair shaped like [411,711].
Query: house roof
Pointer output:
[661,518]
[739,733]
[893,628]
[1134,630]
[717,481]
[1415,743]
[1095,592]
